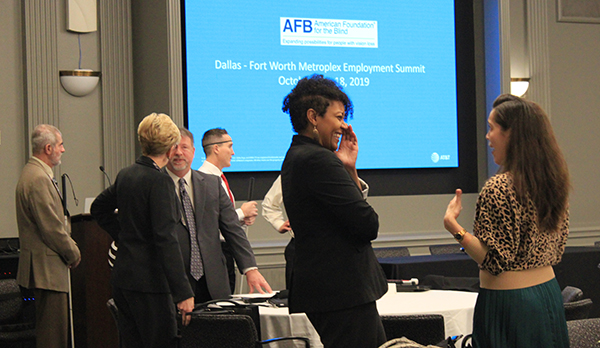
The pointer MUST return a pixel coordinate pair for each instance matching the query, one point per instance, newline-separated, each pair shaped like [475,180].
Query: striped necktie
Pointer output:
[196,267]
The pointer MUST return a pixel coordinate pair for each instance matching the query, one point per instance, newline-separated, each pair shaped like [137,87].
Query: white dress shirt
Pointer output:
[210,168]
[273,209]
[188,187]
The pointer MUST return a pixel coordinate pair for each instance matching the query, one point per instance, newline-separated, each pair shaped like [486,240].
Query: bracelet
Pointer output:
[460,235]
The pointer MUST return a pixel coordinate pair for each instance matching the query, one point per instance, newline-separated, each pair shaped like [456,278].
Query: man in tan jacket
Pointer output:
[47,249]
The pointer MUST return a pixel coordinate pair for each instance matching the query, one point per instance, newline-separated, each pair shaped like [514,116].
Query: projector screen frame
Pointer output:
[392,182]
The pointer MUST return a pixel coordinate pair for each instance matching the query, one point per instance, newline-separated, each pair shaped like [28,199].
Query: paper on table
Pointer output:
[257,295]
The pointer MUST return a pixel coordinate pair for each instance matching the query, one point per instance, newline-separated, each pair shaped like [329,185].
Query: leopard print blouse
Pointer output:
[510,230]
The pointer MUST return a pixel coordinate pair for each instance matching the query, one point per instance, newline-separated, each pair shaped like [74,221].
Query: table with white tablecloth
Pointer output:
[455,306]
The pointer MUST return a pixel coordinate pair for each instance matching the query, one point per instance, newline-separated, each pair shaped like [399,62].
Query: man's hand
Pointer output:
[185,307]
[257,282]
[249,221]
[285,227]
[75,264]
[249,209]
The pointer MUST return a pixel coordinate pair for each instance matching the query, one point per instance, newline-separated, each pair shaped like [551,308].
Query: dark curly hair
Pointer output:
[314,92]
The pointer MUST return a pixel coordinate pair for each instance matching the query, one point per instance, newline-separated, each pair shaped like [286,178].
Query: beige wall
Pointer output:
[12,129]
[413,221]
[79,118]
[575,79]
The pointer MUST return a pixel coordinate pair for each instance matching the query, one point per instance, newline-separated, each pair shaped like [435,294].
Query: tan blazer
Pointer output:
[45,237]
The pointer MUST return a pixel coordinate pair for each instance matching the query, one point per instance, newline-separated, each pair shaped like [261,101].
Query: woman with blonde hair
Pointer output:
[520,230]
[149,276]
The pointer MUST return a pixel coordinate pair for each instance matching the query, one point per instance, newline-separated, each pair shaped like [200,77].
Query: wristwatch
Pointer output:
[460,235]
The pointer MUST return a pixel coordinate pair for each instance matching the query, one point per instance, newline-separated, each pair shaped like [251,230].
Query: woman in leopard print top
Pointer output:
[520,230]
[510,230]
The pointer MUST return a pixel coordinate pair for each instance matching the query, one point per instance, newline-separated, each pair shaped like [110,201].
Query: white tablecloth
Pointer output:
[456,307]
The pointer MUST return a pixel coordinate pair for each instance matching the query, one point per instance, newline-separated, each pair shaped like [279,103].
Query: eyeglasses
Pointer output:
[218,143]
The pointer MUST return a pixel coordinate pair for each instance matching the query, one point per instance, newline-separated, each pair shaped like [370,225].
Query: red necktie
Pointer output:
[228,190]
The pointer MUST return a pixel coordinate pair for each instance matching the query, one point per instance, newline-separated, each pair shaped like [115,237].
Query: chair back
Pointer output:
[578,309]
[571,294]
[14,324]
[391,252]
[219,331]
[422,328]
[584,333]
[11,301]
[404,342]
[208,330]
[454,248]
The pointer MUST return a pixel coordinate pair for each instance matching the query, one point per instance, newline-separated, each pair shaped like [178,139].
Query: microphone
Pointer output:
[64,191]
[107,177]
[250,188]
[64,178]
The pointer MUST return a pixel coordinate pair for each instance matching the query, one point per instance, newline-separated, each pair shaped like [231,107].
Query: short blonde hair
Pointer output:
[157,134]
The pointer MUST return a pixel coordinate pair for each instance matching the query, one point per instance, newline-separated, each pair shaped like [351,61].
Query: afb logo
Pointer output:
[297,25]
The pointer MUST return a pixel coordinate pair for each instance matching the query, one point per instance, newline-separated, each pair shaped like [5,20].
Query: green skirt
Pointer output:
[522,318]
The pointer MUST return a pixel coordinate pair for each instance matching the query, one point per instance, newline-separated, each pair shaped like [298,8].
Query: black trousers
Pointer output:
[289,253]
[200,289]
[230,264]
[356,327]
[146,320]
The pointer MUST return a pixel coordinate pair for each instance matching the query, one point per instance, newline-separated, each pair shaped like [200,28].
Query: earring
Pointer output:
[315,131]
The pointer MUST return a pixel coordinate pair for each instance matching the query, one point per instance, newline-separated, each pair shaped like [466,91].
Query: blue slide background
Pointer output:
[400,119]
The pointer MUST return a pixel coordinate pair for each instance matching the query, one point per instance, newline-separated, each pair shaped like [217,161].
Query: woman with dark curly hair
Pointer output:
[336,278]
[520,230]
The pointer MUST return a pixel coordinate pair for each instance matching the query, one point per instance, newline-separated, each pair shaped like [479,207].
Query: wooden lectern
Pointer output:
[94,326]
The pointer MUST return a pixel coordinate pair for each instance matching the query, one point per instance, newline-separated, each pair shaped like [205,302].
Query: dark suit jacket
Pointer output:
[335,267]
[214,211]
[149,258]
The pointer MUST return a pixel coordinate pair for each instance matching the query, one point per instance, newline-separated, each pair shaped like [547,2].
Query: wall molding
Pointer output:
[504,9]
[175,62]
[41,64]
[271,263]
[116,52]
[539,53]
[271,248]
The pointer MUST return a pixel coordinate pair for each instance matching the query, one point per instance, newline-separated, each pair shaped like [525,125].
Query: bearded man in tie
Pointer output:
[218,148]
[207,207]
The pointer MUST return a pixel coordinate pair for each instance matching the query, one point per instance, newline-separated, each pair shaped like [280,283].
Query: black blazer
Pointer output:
[214,211]
[335,267]
[149,258]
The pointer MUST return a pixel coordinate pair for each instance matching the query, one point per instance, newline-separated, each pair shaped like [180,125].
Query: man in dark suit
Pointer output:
[212,210]
[47,249]
[148,277]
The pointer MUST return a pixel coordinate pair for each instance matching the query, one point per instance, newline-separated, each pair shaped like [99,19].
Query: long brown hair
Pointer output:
[533,158]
